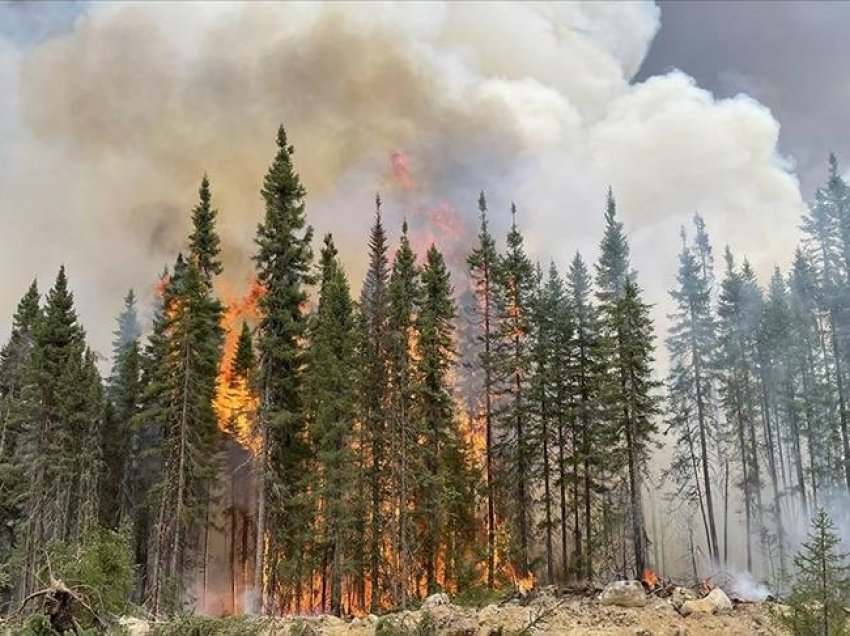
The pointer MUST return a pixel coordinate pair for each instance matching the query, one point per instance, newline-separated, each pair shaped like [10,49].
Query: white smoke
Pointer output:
[108,128]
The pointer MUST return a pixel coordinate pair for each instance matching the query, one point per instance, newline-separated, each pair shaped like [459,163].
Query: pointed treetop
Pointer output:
[482,203]
[404,228]
[204,243]
[613,266]
[729,258]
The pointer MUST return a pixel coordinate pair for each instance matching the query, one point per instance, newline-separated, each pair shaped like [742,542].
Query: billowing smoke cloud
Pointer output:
[107,128]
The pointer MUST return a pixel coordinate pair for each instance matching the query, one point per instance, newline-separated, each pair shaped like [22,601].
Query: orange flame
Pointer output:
[235,402]
[650,579]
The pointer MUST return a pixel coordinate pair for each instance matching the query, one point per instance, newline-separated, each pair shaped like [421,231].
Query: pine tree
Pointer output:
[204,243]
[821,590]
[190,435]
[515,279]
[737,386]
[435,326]
[691,344]
[124,404]
[14,362]
[482,262]
[822,226]
[51,439]
[283,269]
[404,301]
[330,382]
[627,334]
[583,373]
[374,356]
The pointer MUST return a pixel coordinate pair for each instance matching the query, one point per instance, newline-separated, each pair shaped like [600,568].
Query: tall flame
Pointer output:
[235,402]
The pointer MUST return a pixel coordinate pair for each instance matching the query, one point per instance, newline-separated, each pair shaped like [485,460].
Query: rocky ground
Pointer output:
[623,610]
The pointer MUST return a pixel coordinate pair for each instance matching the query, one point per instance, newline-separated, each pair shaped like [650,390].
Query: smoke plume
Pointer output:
[108,125]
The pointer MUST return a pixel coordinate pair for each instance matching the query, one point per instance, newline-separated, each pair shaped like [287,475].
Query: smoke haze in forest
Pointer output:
[120,109]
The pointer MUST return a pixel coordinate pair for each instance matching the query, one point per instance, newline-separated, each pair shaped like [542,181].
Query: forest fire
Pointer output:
[235,402]
[650,579]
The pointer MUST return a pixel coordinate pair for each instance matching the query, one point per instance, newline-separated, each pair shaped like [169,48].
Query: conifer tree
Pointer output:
[374,356]
[204,243]
[283,262]
[190,436]
[124,404]
[512,360]
[691,344]
[435,326]
[482,262]
[330,382]
[821,589]
[583,373]
[14,361]
[50,443]
[627,333]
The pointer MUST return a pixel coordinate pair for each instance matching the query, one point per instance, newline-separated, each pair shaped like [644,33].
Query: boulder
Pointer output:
[624,594]
[715,601]
[134,626]
[436,600]
[682,594]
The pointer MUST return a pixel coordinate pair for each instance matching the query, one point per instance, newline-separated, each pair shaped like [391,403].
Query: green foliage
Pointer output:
[396,626]
[101,567]
[191,625]
[821,590]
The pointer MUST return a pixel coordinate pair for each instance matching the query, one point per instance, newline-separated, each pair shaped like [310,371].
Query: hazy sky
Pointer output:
[110,113]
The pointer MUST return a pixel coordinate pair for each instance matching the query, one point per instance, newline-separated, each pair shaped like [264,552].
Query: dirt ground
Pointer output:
[551,612]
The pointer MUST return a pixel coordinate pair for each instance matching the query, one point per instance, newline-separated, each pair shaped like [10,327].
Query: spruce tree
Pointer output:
[583,373]
[435,326]
[627,333]
[331,390]
[204,243]
[283,263]
[404,302]
[482,262]
[14,362]
[821,589]
[190,435]
[374,355]
[124,404]
[512,360]
[691,344]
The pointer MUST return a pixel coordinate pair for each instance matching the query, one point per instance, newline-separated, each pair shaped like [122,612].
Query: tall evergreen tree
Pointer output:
[123,405]
[331,390]
[482,262]
[190,436]
[691,344]
[630,390]
[512,361]
[14,363]
[435,325]
[374,356]
[404,293]
[204,243]
[283,262]
[583,373]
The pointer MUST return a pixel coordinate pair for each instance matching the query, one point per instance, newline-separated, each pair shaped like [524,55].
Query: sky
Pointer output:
[110,113]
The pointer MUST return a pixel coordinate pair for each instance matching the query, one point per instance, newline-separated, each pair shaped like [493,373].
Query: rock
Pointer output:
[134,626]
[642,632]
[682,594]
[714,602]
[624,594]
[436,600]
[679,630]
